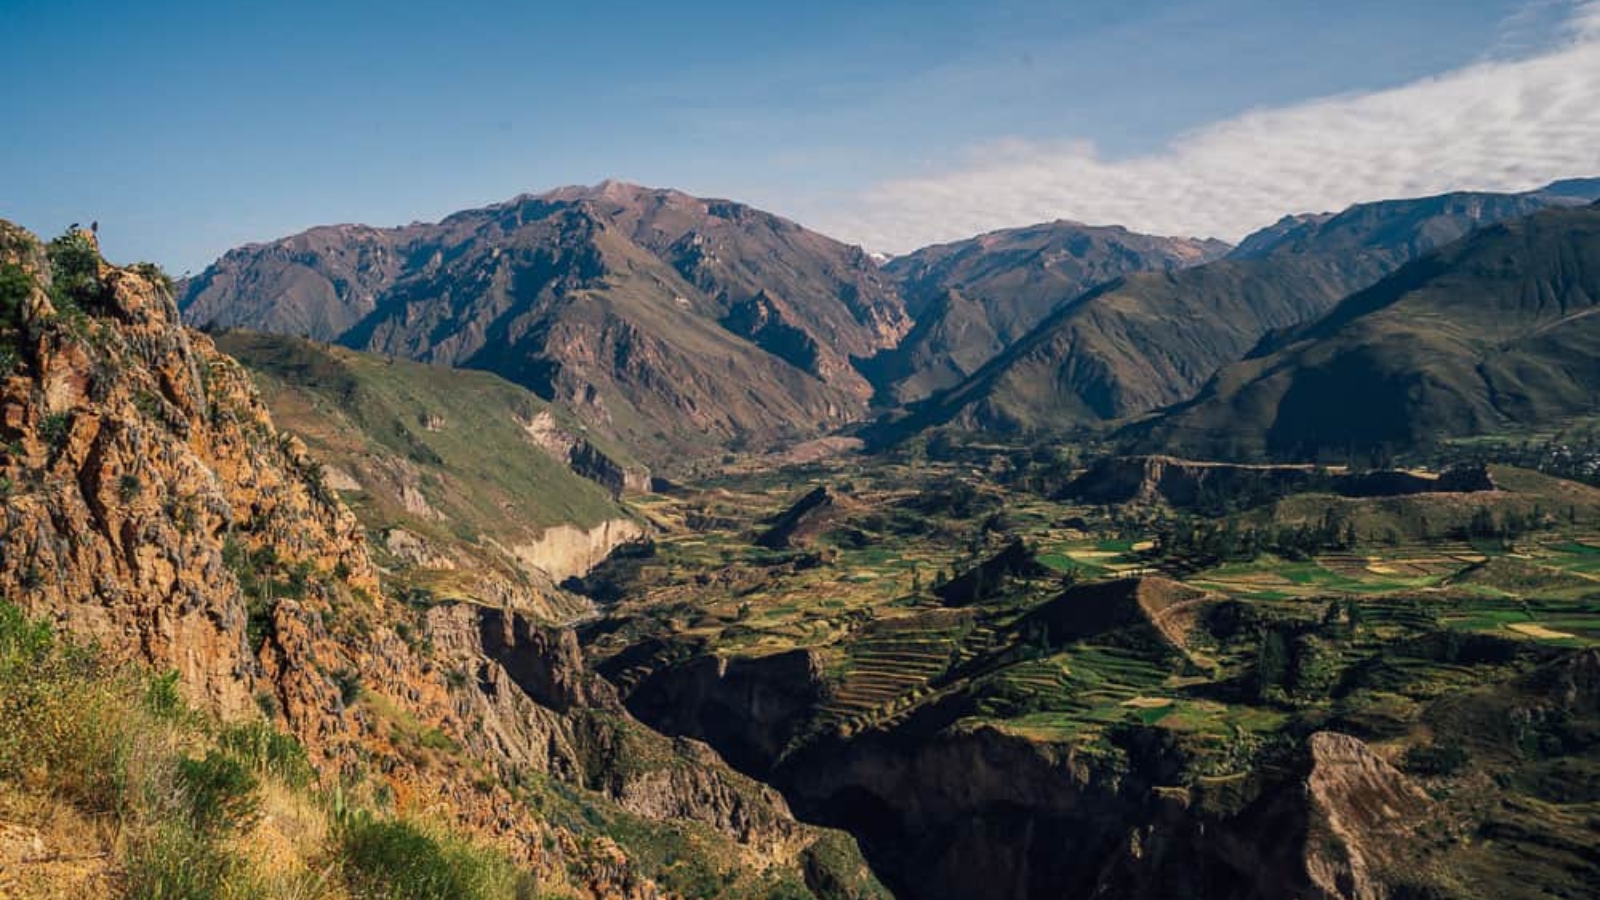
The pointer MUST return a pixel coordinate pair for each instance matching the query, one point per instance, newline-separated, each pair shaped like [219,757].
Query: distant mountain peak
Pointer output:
[630,303]
[1582,190]
[614,189]
[972,298]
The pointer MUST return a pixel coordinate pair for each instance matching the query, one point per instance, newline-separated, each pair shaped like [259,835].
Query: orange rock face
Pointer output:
[134,452]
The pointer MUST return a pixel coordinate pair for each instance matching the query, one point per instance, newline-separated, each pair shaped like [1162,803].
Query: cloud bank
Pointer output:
[1496,125]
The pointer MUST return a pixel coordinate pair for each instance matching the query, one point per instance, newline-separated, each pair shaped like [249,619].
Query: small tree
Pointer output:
[74,271]
[15,286]
[1272,661]
[1352,615]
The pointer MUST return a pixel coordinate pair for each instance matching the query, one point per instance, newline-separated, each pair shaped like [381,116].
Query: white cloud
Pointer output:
[1586,20]
[1497,125]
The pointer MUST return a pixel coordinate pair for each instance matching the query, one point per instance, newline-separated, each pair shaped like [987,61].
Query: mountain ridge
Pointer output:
[1152,339]
[1495,330]
[995,287]
[630,305]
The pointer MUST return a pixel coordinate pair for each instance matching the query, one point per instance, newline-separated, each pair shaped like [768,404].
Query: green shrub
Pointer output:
[15,286]
[54,428]
[269,751]
[349,684]
[63,718]
[23,642]
[162,698]
[176,862]
[255,572]
[1442,758]
[154,274]
[1272,661]
[100,736]
[74,272]
[396,860]
[149,405]
[222,795]
[298,582]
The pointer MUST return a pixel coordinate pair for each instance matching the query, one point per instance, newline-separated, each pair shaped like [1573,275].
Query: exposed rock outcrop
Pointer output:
[1188,482]
[566,551]
[584,457]
[800,522]
[1358,805]
[135,457]
[751,709]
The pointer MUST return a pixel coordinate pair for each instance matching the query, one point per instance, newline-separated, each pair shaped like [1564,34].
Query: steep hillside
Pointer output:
[1152,339]
[152,508]
[138,462]
[678,325]
[467,485]
[1498,330]
[970,299]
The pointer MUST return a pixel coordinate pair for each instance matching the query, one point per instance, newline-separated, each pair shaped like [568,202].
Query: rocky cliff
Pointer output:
[140,467]
[751,709]
[565,551]
[962,812]
[1189,482]
[617,475]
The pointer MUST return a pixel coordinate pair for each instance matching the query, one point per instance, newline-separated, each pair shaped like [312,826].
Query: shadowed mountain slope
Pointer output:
[1152,339]
[972,298]
[1497,330]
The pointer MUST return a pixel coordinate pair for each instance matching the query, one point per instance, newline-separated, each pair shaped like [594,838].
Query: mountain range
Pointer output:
[1495,332]
[683,328]
[1150,339]
[678,325]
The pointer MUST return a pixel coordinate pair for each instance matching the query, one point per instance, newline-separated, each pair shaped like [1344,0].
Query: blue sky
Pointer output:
[187,128]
